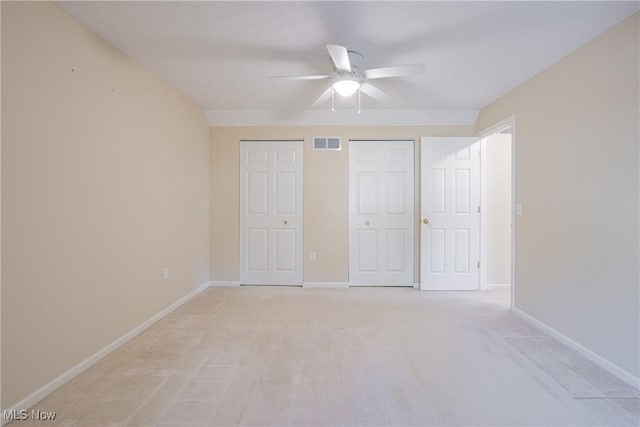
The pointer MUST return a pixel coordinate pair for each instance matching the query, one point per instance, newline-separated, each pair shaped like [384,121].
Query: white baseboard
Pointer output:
[605,364]
[497,285]
[67,376]
[325,285]
[215,283]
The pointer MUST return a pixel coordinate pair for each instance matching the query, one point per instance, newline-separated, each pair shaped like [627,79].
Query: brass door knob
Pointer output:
[285,222]
[366,223]
[425,221]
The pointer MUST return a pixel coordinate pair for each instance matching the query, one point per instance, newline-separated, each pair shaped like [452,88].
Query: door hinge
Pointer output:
[478,265]
[478,209]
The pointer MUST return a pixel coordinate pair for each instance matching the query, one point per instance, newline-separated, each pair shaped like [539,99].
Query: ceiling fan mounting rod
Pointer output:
[346,74]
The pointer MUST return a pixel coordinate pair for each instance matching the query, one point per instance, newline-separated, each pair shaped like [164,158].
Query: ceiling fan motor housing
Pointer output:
[355,58]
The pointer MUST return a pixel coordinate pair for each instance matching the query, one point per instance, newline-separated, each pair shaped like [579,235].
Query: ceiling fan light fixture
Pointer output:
[346,87]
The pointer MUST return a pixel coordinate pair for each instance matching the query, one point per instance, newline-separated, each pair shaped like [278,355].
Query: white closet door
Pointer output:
[271,212]
[450,209]
[381,220]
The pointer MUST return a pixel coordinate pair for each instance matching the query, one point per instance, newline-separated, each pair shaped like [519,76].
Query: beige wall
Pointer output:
[104,183]
[577,133]
[326,194]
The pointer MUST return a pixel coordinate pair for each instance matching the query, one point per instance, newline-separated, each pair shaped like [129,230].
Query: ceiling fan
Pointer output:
[349,79]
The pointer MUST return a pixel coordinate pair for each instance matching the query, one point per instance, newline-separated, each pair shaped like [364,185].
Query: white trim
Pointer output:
[483,214]
[416,285]
[341,285]
[326,117]
[221,283]
[605,364]
[514,200]
[67,376]
[496,285]
[497,127]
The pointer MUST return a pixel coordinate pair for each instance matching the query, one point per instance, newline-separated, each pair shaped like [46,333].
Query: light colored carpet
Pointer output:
[360,356]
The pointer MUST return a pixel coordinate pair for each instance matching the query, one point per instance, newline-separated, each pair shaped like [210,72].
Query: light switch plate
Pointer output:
[519,209]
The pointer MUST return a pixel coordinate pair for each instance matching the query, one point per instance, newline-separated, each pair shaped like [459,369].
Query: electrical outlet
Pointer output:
[313,257]
[165,273]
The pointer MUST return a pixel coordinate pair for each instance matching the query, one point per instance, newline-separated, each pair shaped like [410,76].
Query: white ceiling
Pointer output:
[222,53]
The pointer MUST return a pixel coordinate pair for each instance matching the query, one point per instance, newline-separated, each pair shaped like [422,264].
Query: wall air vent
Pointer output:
[327,143]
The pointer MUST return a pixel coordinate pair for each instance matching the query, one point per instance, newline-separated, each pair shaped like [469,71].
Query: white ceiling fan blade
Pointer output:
[397,71]
[318,77]
[372,91]
[324,97]
[340,57]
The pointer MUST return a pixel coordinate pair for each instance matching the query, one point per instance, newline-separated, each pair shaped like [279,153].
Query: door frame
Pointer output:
[300,254]
[483,133]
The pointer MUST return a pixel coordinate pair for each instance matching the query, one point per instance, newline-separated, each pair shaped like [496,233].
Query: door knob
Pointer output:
[285,222]
[425,221]
[366,223]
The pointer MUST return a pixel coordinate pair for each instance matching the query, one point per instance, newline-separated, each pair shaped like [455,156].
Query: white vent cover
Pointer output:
[327,143]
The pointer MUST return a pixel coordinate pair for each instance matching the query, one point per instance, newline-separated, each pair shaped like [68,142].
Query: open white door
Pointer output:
[450,210]
[271,212]
[381,218]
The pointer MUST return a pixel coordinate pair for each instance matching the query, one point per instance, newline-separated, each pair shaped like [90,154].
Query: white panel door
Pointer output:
[381,220]
[450,209]
[271,212]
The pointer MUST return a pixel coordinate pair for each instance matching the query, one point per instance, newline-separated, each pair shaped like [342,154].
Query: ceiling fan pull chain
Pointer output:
[333,106]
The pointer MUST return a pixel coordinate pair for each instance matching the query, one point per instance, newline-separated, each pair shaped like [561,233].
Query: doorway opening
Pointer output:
[497,215]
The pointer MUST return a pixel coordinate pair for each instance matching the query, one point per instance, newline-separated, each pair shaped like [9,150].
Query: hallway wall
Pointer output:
[577,147]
